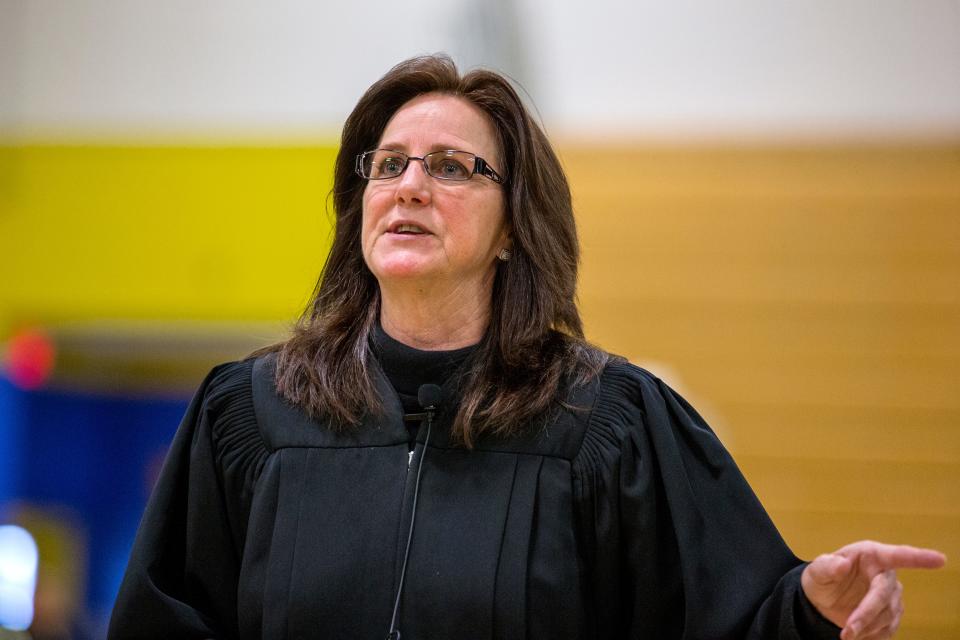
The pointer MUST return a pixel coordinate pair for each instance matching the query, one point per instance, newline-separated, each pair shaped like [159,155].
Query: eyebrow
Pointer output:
[432,148]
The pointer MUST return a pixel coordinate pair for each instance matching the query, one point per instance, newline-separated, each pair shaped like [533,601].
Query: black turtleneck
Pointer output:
[407,368]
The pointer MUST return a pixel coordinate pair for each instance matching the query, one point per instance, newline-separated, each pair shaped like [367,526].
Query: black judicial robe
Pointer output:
[622,518]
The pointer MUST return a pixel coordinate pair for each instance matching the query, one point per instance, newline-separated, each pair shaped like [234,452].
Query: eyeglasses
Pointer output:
[382,164]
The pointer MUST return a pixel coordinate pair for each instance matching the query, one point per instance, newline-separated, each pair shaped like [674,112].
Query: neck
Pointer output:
[435,322]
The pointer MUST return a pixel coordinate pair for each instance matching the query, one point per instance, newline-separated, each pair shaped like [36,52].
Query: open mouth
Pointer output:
[408,229]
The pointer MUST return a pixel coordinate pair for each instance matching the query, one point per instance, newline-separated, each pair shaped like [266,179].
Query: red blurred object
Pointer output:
[30,358]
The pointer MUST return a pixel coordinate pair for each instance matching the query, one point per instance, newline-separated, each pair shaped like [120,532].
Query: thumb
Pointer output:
[829,568]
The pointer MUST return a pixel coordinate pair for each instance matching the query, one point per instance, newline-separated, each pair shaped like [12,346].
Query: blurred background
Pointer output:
[768,196]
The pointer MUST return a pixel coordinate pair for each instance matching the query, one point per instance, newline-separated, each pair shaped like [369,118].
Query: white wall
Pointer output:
[864,66]
[688,68]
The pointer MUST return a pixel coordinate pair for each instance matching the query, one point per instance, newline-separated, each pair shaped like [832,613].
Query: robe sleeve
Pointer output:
[181,579]
[677,544]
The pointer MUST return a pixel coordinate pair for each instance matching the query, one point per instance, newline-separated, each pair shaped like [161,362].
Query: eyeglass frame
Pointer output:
[480,166]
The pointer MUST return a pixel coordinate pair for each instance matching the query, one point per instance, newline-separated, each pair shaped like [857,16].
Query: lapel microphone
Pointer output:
[429,396]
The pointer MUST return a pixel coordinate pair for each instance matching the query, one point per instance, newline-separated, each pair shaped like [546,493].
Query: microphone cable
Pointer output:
[428,395]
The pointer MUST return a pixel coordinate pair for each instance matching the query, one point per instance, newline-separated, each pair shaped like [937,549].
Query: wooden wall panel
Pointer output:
[807,300]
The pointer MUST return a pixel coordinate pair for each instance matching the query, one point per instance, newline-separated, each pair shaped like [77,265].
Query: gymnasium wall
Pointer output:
[806,299]
[768,200]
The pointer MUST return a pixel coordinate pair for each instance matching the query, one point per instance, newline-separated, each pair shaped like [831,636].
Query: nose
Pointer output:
[414,184]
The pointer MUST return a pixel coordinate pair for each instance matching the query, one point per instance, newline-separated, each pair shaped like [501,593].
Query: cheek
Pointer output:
[483,230]
[364,229]
[495,222]
[371,211]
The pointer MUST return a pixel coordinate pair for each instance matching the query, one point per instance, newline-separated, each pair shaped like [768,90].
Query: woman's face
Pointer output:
[435,232]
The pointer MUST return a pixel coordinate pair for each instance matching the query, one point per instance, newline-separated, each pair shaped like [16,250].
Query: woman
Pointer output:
[545,490]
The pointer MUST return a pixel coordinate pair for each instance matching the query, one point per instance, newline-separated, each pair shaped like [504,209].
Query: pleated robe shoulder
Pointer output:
[623,517]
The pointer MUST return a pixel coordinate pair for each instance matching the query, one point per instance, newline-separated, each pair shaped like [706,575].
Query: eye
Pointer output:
[390,166]
[450,168]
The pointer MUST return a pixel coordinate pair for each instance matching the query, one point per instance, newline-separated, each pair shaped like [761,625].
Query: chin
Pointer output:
[402,269]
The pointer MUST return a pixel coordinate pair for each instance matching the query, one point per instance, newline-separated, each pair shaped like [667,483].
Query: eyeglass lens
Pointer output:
[380,164]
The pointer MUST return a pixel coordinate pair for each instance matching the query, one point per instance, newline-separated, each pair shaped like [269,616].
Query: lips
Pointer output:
[407,228]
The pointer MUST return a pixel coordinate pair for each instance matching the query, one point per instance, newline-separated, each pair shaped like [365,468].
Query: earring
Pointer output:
[504,255]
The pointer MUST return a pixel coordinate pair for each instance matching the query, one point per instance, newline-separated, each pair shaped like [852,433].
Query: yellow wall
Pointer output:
[206,233]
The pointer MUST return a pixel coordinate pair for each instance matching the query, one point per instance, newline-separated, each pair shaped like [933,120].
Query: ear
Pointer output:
[506,237]
[504,246]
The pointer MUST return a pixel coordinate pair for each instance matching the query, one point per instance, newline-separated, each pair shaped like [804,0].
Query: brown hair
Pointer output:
[533,349]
